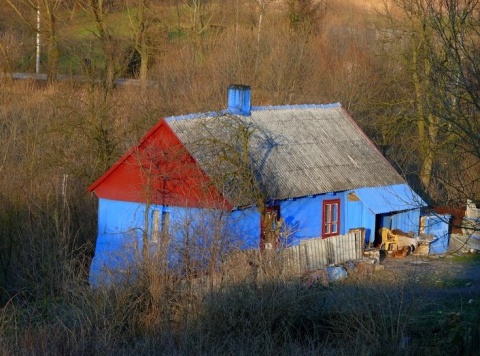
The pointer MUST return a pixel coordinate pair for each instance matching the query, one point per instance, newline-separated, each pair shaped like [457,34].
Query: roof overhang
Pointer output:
[388,199]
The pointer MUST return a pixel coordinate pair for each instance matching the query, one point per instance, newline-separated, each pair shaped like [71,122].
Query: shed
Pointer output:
[249,177]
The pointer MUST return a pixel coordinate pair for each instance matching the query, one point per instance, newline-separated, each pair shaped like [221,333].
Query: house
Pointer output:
[252,174]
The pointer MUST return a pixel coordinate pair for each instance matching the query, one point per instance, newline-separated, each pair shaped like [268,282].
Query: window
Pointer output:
[165,223]
[155,226]
[270,226]
[331,218]
[160,227]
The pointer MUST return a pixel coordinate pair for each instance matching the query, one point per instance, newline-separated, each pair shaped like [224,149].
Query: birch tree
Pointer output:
[48,11]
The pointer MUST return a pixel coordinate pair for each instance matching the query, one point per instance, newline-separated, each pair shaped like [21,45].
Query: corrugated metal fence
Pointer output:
[317,253]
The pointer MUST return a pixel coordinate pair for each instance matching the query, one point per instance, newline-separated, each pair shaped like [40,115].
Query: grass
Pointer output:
[468,258]
[449,325]
[452,283]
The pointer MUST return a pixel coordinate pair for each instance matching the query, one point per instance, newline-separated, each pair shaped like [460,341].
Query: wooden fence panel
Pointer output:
[346,248]
[318,253]
[294,260]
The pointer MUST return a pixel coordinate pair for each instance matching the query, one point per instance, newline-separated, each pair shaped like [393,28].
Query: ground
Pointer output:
[445,295]
[449,273]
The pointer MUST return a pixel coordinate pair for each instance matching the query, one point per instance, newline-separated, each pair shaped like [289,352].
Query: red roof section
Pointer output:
[159,170]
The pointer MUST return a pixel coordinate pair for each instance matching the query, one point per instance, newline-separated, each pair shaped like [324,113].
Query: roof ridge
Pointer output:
[297,106]
[253,108]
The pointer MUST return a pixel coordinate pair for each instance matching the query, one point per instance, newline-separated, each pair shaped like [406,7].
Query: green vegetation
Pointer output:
[468,259]
[452,282]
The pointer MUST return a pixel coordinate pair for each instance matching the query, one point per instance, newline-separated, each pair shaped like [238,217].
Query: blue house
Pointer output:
[247,177]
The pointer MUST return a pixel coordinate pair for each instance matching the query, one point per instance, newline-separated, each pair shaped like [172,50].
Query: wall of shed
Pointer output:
[121,224]
[302,219]
[438,226]
[303,216]
[118,240]
[120,227]
[359,215]
[408,221]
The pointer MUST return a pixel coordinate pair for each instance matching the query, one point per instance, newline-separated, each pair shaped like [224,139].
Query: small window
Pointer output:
[155,226]
[165,223]
[331,217]
[270,226]
[160,227]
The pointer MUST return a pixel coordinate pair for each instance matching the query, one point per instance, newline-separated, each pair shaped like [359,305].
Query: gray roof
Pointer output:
[294,151]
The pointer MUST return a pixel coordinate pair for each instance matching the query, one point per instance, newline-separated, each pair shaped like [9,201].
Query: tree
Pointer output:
[236,148]
[231,150]
[411,20]
[440,58]
[456,73]
[190,243]
[98,9]
[305,15]
[142,20]
[48,11]
[262,6]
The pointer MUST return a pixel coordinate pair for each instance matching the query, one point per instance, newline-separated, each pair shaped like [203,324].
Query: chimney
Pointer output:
[239,99]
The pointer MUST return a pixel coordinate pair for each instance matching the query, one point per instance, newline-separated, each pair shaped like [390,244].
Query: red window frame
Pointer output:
[331,218]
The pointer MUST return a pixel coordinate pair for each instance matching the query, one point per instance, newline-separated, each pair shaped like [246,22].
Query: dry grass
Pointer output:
[376,314]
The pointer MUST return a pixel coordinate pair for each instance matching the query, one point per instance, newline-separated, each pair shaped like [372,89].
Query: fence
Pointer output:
[317,253]
[310,254]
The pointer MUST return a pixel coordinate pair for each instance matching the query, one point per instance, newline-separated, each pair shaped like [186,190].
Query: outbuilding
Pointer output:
[249,177]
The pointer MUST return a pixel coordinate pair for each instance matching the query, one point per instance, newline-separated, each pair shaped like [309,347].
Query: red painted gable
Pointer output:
[159,170]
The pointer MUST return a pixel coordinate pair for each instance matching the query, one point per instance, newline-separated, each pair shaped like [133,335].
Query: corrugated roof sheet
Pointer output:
[296,150]
[382,200]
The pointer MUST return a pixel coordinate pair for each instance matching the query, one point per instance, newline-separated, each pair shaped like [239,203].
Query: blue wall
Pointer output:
[438,226]
[118,239]
[302,219]
[120,228]
[118,247]
[359,215]
[408,221]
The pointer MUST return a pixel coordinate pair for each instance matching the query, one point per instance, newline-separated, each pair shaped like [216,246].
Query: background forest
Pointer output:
[408,71]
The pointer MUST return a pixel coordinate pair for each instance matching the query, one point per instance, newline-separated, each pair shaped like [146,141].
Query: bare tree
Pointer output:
[441,59]
[48,11]
[113,55]
[262,9]
[456,74]
[187,245]
[235,149]
[411,20]
[142,21]
[305,15]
